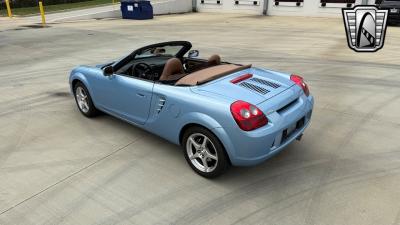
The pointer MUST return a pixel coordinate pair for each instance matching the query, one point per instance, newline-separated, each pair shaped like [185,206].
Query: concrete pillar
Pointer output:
[265,7]
[194,5]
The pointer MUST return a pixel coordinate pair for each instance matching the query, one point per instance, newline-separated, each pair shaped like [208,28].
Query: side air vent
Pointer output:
[160,104]
[254,88]
[265,82]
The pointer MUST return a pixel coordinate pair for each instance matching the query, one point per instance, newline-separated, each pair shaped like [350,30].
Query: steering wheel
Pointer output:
[142,70]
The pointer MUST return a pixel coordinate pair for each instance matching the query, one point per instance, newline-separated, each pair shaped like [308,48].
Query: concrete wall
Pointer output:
[255,7]
[307,8]
[172,6]
[114,11]
[229,6]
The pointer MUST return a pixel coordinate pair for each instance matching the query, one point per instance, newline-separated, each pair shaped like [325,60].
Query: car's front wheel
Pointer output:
[204,152]
[84,100]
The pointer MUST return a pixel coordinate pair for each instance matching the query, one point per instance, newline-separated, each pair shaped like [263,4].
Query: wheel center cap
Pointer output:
[202,152]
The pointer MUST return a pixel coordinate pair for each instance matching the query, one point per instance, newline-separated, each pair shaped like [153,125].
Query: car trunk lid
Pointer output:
[257,88]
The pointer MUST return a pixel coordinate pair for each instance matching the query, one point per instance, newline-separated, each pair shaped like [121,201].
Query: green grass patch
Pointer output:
[54,8]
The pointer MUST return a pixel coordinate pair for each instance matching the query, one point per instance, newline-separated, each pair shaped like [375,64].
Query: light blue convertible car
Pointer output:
[221,113]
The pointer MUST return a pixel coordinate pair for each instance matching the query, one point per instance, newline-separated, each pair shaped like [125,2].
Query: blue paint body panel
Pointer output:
[166,109]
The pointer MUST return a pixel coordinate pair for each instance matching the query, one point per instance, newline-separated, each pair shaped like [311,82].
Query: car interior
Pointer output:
[167,65]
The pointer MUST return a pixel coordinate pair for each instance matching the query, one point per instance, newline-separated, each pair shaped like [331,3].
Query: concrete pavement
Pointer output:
[58,167]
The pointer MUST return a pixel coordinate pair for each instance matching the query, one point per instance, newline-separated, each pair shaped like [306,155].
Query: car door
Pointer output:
[126,97]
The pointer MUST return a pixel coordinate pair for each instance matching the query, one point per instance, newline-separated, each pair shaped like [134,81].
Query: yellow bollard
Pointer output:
[8,8]
[42,13]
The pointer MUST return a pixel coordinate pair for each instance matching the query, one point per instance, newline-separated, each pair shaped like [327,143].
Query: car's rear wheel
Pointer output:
[84,100]
[204,152]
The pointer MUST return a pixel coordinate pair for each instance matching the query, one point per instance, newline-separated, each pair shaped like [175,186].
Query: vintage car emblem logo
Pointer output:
[365,27]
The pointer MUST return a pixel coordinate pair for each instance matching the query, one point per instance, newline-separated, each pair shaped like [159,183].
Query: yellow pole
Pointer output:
[42,13]
[8,8]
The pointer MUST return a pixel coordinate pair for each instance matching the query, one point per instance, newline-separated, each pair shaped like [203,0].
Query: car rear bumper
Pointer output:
[254,147]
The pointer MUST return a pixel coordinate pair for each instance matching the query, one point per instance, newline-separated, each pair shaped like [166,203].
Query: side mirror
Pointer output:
[108,71]
[193,53]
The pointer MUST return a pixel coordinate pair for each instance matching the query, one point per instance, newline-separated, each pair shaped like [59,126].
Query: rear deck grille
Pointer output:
[253,87]
[265,82]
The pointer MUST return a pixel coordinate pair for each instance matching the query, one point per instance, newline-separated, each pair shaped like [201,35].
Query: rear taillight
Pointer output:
[300,82]
[248,116]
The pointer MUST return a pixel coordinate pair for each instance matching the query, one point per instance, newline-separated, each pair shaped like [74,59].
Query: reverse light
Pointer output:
[300,82]
[247,116]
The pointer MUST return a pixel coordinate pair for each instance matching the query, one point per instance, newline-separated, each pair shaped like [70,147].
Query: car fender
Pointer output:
[82,78]
[224,138]
[212,125]
[199,118]
[194,118]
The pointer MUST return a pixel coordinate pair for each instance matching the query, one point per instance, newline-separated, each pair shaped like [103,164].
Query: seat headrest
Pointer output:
[172,67]
[214,60]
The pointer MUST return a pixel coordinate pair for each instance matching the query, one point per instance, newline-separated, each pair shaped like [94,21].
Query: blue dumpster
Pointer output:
[137,10]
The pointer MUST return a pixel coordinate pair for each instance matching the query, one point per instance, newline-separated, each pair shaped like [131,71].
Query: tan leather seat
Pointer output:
[173,70]
[214,60]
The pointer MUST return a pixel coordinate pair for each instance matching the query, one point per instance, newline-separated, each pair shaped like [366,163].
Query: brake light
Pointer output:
[300,82]
[247,116]
[241,78]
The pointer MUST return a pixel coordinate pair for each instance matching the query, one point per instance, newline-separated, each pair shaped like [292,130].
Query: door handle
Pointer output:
[140,95]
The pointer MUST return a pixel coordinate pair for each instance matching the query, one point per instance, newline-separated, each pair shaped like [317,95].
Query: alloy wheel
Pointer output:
[82,99]
[202,152]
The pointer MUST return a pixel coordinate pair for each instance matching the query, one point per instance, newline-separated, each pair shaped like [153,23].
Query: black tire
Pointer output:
[213,146]
[91,111]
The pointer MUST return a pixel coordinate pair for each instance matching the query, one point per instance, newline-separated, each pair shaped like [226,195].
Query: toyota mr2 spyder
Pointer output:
[221,113]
